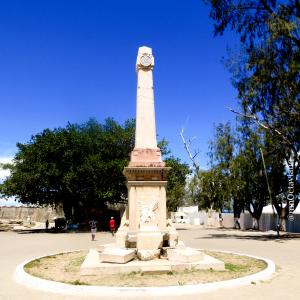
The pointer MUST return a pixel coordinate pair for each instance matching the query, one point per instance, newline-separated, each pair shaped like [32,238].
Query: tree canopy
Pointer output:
[266,73]
[77,166]
[243,174]
[176,182]
[81,167]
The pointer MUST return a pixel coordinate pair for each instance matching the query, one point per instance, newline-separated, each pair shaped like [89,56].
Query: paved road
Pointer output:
[16,247]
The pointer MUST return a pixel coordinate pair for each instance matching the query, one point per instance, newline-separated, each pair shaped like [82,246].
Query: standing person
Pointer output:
[47,224]
[93,225]
[112,225]
[220,220]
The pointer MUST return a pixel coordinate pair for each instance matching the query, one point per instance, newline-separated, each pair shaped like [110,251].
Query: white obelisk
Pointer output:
[145,226]
[146,172]
[145,152]
[145,135]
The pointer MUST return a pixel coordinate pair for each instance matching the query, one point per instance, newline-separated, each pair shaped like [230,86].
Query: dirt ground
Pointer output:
[65,267]
[18,247]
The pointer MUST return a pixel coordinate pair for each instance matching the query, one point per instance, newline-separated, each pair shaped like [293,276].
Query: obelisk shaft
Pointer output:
[145,153]
[145,135]
[146,174]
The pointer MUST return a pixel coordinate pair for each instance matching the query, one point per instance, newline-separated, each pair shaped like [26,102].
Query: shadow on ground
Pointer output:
[54,231]
[26,231]
[254,236]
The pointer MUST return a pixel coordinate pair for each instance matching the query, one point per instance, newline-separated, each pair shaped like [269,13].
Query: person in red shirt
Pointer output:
[112,225]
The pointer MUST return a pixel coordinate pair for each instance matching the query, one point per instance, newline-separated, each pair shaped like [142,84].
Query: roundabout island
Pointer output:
[60,273]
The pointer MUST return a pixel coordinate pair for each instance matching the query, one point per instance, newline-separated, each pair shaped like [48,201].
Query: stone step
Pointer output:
[117,255]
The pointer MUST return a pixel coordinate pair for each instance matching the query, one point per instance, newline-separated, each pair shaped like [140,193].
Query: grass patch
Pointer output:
[234,268]
[74,263]
[65,267]
[77,282]
[32,264]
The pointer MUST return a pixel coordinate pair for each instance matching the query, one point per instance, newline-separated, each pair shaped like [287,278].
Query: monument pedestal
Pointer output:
[149,238]
[172,237]
[121,238]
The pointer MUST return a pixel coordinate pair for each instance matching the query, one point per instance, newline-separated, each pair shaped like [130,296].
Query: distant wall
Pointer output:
[267,221]
[228,220]
[36,214]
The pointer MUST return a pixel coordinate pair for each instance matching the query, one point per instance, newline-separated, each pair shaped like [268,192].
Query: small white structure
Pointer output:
[191,215]
[180,217]
[188,209]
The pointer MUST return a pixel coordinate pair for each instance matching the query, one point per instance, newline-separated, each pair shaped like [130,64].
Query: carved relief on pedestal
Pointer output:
[148,214]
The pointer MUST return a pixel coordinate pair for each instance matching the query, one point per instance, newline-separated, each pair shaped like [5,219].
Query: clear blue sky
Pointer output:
[66,61]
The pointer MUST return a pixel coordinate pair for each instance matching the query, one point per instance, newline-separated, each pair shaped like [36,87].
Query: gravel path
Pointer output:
[17,247]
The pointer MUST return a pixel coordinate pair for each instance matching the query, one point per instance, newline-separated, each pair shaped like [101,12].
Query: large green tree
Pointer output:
[177,176]
[266,72]
[81,167]
[237,174]
[248,174]
[214,189]
[211,188]
[221,154]
[78,166]
[176,182]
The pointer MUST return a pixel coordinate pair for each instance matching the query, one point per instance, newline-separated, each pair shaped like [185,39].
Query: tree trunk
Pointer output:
[256,214]
[282,224]
[255,223]
[282,213]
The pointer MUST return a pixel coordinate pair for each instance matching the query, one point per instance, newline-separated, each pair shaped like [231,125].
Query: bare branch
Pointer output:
[187,148]
[256,120]
[266,126]
[196,153]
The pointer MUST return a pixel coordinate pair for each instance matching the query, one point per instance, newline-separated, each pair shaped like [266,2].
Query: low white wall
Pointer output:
[268,221]
[36,214]
[228,220]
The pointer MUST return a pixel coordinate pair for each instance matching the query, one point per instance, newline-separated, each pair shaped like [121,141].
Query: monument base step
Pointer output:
[148,254]
[184,255]
[92,265]
[117,255]
[101,247]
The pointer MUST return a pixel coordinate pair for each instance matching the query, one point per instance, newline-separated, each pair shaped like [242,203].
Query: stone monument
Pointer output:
[146,239]
[146,172]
